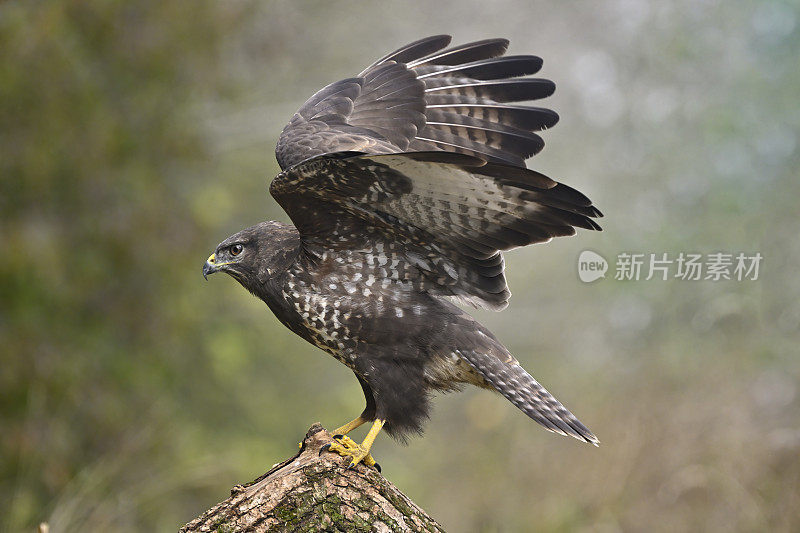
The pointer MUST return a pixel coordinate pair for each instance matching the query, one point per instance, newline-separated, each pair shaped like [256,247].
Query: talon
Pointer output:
[325,448]
[358,453]
[377,467]
[347,442]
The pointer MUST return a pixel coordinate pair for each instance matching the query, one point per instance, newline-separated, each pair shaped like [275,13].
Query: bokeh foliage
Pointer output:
[135,136]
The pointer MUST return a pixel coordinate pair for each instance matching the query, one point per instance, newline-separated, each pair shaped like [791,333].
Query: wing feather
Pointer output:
[444,140]
[487,69]
[515,90]
[451,215]
[415,50]
[465,53]
[529,118]
[425,97]
[422,156]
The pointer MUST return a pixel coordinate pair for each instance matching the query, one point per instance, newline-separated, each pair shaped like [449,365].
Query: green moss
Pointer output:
[364,504]
[359,524]
[333,508]
[398,502]
[222,526]
[285,513]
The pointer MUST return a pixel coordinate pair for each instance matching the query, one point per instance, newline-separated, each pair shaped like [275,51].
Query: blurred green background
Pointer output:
[136,136]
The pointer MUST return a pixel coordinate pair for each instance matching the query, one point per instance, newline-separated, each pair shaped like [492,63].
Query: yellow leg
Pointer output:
[350,426]
[373,432]
[346,447]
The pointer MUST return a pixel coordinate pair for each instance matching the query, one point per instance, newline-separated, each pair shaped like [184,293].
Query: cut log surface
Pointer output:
[313,492]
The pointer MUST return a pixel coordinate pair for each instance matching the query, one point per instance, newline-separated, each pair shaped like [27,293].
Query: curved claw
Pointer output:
[324,448]
[377,467]
[358,453]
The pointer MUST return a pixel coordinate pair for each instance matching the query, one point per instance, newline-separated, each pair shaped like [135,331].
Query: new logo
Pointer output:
[591,266]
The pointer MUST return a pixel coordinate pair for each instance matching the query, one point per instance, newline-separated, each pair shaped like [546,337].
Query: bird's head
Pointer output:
[256,254]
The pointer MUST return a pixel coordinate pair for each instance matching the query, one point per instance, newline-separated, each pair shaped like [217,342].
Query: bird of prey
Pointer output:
[405,184]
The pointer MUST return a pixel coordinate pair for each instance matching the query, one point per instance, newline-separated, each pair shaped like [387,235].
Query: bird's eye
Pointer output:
[236,249]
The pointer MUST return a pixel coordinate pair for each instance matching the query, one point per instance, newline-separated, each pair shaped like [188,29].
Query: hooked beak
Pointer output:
[210,267]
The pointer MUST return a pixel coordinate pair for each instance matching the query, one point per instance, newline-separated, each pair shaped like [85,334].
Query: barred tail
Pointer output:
[521,389]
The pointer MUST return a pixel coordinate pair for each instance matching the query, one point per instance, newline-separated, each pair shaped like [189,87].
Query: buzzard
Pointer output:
[405,184]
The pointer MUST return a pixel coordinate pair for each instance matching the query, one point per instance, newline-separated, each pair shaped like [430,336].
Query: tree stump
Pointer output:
[313,492]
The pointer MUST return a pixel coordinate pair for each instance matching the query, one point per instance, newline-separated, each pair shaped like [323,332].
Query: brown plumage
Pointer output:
[405,185]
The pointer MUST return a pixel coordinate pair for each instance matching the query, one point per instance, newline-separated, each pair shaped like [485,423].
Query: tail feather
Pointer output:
[521,389]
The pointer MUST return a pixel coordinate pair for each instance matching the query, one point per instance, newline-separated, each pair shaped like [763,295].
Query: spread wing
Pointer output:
[418,165]
[423,97]
[437,220]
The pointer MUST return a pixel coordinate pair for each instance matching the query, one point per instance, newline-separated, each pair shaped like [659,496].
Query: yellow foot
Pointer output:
[347,447]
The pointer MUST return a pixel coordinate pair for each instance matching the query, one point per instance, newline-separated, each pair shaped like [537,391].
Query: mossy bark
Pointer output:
[313,492]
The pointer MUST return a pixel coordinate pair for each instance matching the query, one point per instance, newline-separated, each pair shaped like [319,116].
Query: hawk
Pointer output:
[405,184]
